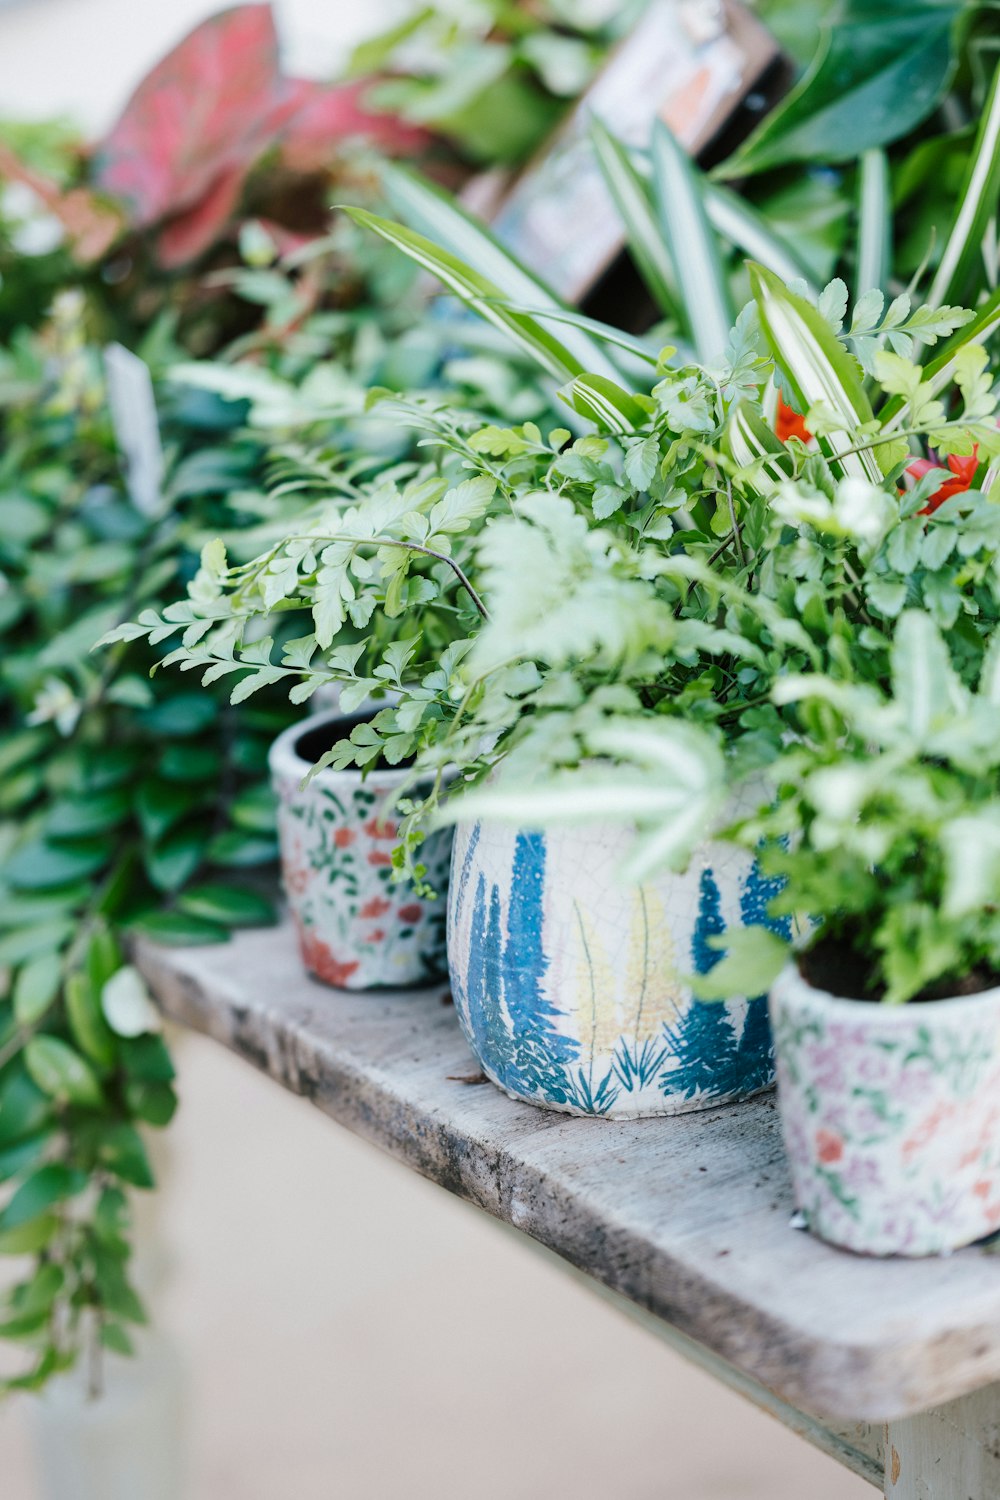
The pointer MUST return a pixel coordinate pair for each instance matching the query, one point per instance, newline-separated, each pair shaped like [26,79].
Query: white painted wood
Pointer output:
[687,1218]
[951,1453]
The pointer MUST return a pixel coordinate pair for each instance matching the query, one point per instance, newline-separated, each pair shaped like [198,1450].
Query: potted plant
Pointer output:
[886,828]
[652,572]
[516,517]
[357,928]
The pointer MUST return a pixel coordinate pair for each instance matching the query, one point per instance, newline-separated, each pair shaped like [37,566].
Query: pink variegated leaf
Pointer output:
[206,111]
[188,235]
[328,116]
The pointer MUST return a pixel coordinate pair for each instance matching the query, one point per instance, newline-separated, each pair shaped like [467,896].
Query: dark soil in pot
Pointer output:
[833,964]
[313,744]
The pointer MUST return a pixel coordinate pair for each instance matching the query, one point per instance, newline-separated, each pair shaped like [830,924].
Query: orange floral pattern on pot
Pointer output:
[358,929]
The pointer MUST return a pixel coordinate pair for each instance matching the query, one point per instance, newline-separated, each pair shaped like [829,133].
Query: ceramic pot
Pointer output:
[357,928]
[567,981]
[891,1117]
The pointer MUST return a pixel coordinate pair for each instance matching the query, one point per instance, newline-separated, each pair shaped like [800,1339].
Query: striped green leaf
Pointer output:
[640,350]
[643,231]
[694,249]
[435,215]
[483,296]
[977,202]
[874,223]
[816,367]
[733,218]
[752,445]
[605,403]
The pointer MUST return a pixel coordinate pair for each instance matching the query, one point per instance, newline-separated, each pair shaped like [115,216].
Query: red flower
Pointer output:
[378,858]
[376,907]
[963,471]
[380,830]
[344,838]
[376,936]
[829,1147]
[411,913]
[788,424]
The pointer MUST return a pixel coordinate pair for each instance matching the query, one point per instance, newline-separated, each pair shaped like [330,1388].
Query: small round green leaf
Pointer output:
[62,1073]
[178,929]
[232,905]
[36,986]
[127,1005]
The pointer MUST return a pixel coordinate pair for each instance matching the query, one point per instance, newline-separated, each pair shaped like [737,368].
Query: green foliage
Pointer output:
[536,602]
[493,79]
[632,615]
[886,822]
[868,56]
[134,804]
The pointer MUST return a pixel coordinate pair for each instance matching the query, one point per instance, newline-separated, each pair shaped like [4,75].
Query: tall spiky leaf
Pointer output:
[977,205]
[643,230]
[752,445]
[605,403]
[483,296]
[732,217]
[432,213]
[816,366]
[874,223]
[694,249]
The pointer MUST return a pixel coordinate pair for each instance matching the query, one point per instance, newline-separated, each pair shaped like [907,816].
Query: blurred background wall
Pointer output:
[345,1329]
[81,58]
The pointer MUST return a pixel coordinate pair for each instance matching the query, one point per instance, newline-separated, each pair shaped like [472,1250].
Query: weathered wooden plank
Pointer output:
[688,1218]
[952,1453]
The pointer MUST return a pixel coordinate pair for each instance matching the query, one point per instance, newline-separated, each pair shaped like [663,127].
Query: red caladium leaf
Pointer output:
[203,117]
[327,116]
[189,234]
[208,109]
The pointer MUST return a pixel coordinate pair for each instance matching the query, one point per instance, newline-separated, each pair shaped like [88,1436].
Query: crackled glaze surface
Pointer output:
[891,1117]
[567,981]
[357,928]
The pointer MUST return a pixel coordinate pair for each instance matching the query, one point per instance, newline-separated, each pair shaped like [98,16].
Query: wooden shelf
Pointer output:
[687,1218]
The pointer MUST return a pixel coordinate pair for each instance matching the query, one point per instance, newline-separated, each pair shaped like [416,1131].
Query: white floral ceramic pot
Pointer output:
[358,929]
[566,980]
[891,1117]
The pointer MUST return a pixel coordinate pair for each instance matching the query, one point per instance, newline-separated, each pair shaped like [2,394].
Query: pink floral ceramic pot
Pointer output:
[358,929]
[891,1117]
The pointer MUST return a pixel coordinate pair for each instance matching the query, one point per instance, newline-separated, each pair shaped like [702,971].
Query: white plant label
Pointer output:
[137,427]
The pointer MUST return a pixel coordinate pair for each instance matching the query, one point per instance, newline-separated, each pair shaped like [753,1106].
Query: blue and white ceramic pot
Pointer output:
[567,981]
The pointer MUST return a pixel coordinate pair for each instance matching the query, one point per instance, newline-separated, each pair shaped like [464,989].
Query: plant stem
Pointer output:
[734,523]
[388,541]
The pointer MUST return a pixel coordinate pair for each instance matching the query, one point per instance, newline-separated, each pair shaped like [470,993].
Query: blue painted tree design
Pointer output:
[755,1054]
[756,1050]
[703,1040]
[541,1051]
[490,1037]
